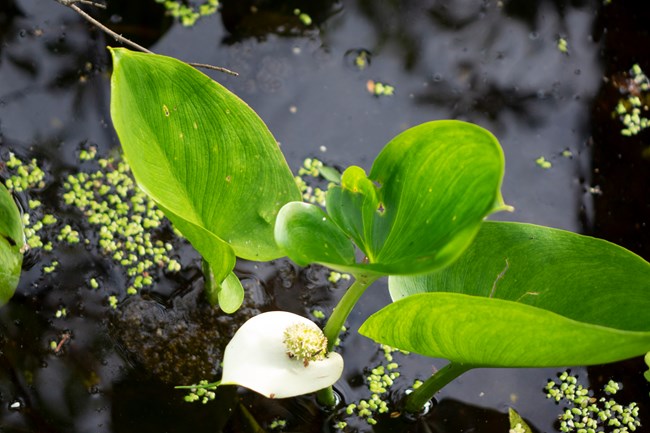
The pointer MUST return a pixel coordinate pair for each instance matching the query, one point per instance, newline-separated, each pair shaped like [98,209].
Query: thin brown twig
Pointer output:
[72,4]
[64,338]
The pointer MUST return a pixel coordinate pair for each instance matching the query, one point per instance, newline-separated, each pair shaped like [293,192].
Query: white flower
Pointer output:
[263,356]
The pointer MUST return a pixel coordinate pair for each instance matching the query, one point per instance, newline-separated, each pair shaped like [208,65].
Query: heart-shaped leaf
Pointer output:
[422,204]
[11,241]
[523,296]
[311,236]
[203,155]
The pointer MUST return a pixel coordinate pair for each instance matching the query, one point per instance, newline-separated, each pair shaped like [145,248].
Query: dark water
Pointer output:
[493,63]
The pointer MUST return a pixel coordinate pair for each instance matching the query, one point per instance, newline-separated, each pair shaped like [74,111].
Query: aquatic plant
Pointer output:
[481,294]
[12,240]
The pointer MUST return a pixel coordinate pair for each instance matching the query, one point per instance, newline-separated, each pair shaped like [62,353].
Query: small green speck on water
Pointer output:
[563,46]
[303,17]
[380,89]
[278,424]
[49,269]
[543,163]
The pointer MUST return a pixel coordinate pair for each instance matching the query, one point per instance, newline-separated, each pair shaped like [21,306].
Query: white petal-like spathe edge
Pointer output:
[256,358]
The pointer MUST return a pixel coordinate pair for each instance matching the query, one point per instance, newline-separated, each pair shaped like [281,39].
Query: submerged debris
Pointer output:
[178,343]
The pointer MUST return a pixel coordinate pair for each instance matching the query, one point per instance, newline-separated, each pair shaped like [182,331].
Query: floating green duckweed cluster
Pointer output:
[362,60]
[335,277]
[563,46]
[588,414]
[278,424]
[188,15]
[379,381]
[380,89]
[314,169]
[23,176]
[125,217]
[303,17]
[204,392]
[543,163]
[630,109]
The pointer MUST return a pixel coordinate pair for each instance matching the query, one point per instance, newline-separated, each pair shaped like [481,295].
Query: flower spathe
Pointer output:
[257,357]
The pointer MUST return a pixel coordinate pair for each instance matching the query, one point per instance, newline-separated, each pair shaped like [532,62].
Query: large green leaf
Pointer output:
[11,241]
[203,155]
[422,204]
[523,296]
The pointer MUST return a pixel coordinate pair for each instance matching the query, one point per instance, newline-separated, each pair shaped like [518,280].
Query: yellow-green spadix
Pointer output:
[279,355]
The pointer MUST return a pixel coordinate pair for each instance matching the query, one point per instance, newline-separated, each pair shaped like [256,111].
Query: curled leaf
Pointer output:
[418,209]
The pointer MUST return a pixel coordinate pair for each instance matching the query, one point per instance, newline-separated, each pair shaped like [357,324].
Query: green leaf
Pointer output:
[11,224]
[311,236]
[11,242]
[423,202]
[523,296]
[517,423]
[202,154]
[229,295]
[330,174]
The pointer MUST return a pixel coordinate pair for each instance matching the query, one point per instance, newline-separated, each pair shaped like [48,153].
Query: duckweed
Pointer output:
[632,109]
[189,15]
[312,169]
[126,219]
[379,381]
[587,414]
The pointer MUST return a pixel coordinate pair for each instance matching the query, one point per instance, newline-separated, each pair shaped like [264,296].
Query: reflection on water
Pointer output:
[494,63]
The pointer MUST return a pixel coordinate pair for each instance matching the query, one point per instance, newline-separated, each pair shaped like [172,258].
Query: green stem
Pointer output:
[416,400]
[335,323]
[344,307]
[210,287]
[211,385]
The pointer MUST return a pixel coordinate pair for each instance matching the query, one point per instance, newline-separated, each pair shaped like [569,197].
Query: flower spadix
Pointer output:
[280,354]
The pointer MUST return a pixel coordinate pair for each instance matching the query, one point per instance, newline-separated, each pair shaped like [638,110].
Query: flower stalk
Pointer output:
[336,321]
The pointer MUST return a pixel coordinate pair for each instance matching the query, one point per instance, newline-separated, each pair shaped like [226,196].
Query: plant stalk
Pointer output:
[342,310]
[416,400]
[334,324]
